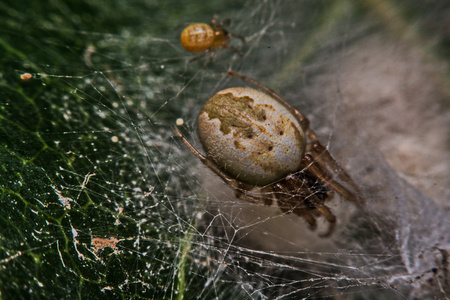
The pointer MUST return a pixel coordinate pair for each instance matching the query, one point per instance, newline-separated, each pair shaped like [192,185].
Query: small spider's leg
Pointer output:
[214,20]
[320,153]
[234,49]
[213,53]
[314,168]
[331,218]
[237,36]
[200,55]
[225,22]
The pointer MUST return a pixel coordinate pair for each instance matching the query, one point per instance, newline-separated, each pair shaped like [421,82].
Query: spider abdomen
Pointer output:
[197,37]
[251,136]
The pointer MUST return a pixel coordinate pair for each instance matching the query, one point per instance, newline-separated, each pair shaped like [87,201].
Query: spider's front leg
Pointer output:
[313,167]
[206,161]
[255,195]
[214,20]
[324,157]
[243,191]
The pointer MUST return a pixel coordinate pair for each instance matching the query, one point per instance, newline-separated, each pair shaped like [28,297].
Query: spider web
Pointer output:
[100,199]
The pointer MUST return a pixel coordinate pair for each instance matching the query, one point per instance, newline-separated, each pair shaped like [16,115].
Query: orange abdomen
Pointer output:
[197,37]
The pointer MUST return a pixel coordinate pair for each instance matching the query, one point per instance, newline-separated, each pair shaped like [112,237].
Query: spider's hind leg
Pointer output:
[331,218]
[197,57]
[234,49]
[310,220]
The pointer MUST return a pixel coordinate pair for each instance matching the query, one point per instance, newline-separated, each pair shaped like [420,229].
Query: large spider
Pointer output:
[263,148]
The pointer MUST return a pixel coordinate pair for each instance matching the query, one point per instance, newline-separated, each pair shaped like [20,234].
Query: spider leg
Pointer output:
[225,22]
[213,53]
[321,154]
[214,20]
[253,199]
[234,49]
[257,196]
[305,213]
[331,218]
[310,220]
[318,171]
[207,162]
[240,188]
[319,207]
[200,55]
[289,198]
[237,36]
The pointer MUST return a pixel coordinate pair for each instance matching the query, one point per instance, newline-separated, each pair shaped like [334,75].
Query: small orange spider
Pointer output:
[199,37]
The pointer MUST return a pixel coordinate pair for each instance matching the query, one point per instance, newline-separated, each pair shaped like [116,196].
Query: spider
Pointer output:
[201,37]
[263,148]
